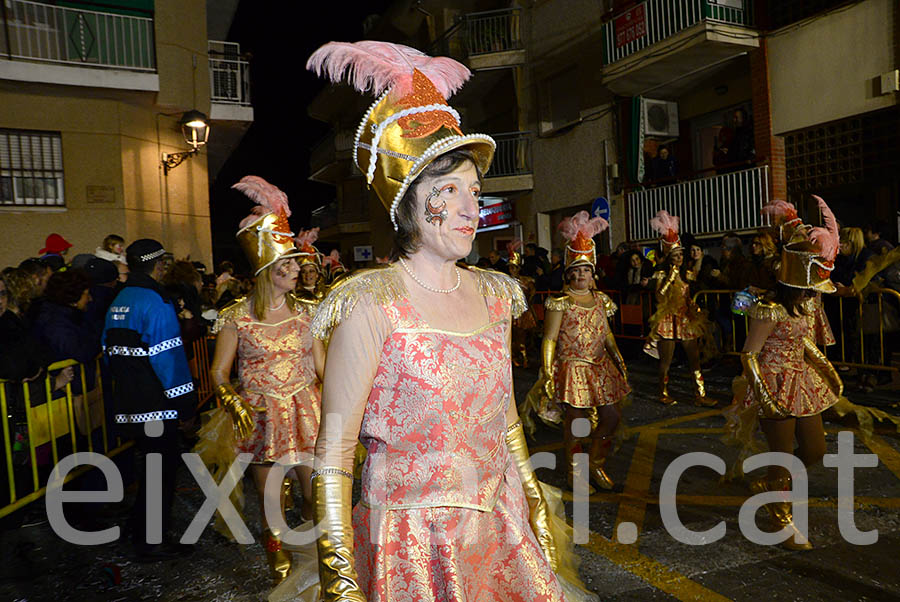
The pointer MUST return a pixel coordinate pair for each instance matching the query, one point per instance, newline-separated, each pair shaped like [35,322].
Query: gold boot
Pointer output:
[287,495]
[599,451]
[570,469]
[780,513]
[664,397]
[700,399]
[279,559]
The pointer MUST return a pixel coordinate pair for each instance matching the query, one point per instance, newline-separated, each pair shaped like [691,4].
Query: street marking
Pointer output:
[677,420]
[655,573]
[885,453]
[637,483]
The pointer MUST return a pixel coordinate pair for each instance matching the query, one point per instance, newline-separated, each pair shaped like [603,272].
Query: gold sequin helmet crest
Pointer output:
[579,232]
[265,235]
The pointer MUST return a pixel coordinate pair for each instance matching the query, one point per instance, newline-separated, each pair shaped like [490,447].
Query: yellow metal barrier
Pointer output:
[855,316]
[54,422]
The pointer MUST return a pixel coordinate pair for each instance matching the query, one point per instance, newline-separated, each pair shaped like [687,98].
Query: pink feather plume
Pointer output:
[333,259]
[269,198]
[779,211]
[828,238]
[512,247]
[307,237]
[582,223]
[667,225]
[382,260]
[378,66]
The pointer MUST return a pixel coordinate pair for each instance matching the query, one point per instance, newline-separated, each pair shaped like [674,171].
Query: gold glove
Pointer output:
[767,404]
[819,361]
[539,515]
[548,352]
[240,410]
[332,492]
[673,273]
[617,355]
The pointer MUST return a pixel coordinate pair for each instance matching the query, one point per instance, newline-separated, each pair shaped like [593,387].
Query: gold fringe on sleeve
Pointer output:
[768,311]
[501,286]
[231,313]
[609,306]
[217,448]
[560,303]
[382,285]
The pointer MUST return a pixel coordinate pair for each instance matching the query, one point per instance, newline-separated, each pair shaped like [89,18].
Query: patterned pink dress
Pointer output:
[278,379]
[795,384]
[585,375]
[443,515]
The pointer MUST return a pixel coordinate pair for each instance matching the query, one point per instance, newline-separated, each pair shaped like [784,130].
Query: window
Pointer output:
[31,169]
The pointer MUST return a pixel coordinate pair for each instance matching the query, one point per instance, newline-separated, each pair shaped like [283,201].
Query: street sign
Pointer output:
[363,253]
[600,208]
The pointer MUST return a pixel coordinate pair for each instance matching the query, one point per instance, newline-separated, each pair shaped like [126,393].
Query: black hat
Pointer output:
[143,251]
[81,260]
[101,271]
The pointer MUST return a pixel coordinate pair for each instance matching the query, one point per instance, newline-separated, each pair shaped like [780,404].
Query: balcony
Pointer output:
[511,169]
[484,40]
[714,205]
[59,45]
[662,46]
[330,159]
[229,81]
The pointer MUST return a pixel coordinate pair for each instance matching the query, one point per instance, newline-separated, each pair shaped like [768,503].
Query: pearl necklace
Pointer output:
[583,291]
[280,305]
[432,289]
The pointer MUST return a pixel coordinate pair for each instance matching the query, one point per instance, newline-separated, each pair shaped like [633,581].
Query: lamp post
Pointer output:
[195,128]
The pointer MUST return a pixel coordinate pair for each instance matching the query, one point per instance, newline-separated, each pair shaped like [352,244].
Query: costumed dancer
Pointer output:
[583,369]
[334,268]
[450,507]
[789,381]
[677,317]
[524,325]
[276,408]
[311,286]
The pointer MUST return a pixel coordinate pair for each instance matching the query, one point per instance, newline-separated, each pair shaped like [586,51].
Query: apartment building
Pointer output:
[92,103]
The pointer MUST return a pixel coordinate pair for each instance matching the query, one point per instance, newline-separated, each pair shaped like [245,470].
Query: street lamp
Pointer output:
[195,128]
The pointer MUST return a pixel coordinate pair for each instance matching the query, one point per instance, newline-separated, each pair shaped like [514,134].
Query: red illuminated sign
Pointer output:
[495,215]
[631,25]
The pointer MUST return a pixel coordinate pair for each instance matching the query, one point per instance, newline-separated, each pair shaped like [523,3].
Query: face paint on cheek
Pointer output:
[435,215]
[282,271]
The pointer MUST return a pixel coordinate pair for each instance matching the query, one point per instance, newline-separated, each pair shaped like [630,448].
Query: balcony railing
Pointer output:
[513,155]
[481,33]
[728,202]
[229,74]
[55,34]
[655,20]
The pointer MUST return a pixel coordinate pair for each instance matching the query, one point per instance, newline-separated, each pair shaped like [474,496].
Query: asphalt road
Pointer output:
[36,565]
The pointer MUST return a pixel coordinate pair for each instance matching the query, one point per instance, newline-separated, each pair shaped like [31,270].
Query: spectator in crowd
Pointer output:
[154,390]
[54,252]
[733,270]
[556,270]
[38,273]
[112,249]
[634,279]
[742,147]
[123,271]
[497,263]
[183,283]
[854,253]
[22,356]
[876,244]
[104,279]
[763,257]
[531,264]
[699,268]
[60,323]
[663,165]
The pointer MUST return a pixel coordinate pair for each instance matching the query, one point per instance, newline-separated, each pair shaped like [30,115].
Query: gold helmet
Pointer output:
[308,254]
[808,262]
[410,124]
[667,226]
[789,228]
[513,251]
[579,232]
[265,235]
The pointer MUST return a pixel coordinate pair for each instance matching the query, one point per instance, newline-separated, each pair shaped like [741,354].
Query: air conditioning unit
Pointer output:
[660,118]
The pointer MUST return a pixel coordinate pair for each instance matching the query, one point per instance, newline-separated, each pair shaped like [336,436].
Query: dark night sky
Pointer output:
[280,36]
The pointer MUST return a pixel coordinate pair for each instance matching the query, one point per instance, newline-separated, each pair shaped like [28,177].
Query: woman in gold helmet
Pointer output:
[276,408]
[788,380]
[583,369]
[677,318]
[419,369]
[524,325]
[311,285]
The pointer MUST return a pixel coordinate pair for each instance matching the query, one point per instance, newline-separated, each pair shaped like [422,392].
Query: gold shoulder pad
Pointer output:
[768,311]
[609,306]
[501,286]
[382,285]
[558,303]
[237,309]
